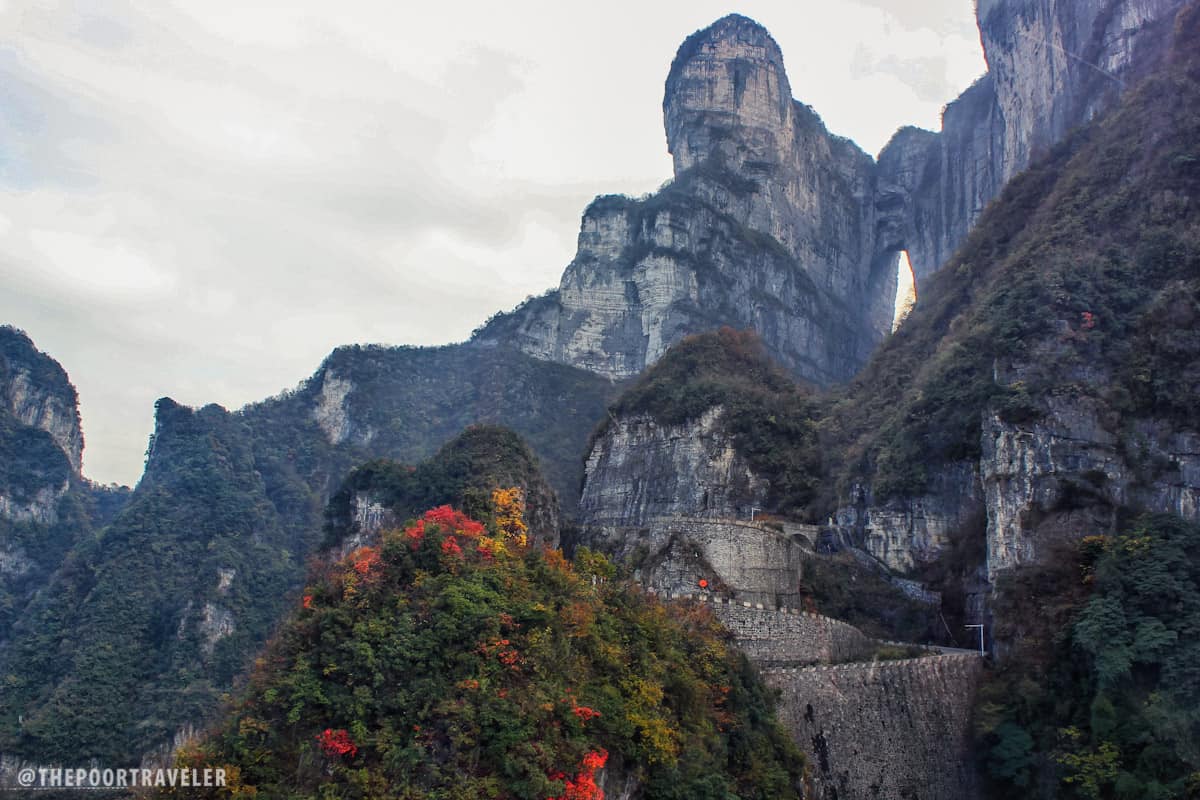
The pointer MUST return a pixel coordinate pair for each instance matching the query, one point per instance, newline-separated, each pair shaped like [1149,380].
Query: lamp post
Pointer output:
[981,650]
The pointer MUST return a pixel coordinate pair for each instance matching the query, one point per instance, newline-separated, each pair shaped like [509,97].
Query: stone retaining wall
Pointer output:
[886,729]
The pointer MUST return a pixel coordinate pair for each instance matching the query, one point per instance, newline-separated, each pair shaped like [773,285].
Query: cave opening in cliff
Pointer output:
[906,289]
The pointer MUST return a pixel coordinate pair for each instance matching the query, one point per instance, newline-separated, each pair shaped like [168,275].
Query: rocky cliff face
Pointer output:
[1065,476]
[1052,65]
[406,402]
[1057,64]
[36,391]
[676,502]
[41,444]
[762,227]
[907,534]
[641,470]
[775,224]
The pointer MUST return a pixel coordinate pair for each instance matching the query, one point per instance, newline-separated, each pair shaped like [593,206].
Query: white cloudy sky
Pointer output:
[201,198]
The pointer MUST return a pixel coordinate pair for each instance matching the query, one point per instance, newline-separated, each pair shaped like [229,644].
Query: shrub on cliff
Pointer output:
[1110,706]
[1079,280]
[461,474]
[452,662]
[771,418]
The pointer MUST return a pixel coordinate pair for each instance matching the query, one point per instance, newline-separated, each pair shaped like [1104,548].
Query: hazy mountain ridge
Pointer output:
[190,577]
[46,506]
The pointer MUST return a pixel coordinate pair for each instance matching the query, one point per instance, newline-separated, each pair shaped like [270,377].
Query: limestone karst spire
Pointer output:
[728,93]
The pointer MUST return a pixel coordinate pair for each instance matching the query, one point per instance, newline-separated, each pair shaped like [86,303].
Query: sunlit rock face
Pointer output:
[1055,64]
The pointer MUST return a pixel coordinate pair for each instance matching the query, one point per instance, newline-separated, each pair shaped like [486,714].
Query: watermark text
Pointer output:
[121,778]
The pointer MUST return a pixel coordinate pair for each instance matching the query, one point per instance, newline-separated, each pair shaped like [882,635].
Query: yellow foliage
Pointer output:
[1136,545]
[645,714]
[509,505]
[233,783]
[249,725]
[660,739]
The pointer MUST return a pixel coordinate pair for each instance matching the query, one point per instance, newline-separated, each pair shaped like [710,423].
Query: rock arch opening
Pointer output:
[906,289]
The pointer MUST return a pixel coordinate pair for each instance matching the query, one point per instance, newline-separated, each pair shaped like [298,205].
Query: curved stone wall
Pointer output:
[887,729]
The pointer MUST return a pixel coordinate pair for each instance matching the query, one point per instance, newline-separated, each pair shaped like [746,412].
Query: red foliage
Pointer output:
[450,547]
[448,520]
[366,562]
[583,785]
[455,521]
[415,534]
[505,654]
[595,760]
[486,551]
[337,743]
[584,713]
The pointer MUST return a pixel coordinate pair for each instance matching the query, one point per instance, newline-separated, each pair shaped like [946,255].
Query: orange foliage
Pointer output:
[557,561]
[366,562]
[509,505]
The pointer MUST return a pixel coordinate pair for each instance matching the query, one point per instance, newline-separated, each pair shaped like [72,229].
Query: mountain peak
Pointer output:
[727,93]
[35,389]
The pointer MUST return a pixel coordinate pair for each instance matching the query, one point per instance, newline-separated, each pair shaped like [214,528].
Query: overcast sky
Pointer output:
[202,199]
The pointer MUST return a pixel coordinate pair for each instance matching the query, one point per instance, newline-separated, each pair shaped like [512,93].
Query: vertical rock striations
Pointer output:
[676,502]
[41,444]
[773,223]
[1052,65]
[640,470]
[764,226]
[35,390]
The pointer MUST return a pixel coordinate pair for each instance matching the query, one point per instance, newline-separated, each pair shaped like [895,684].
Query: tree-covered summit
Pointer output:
[455,660]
